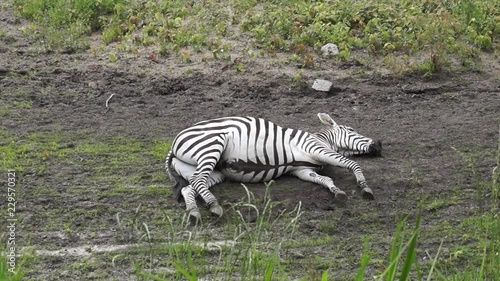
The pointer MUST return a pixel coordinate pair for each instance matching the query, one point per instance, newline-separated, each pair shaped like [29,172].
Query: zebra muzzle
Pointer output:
[375,149]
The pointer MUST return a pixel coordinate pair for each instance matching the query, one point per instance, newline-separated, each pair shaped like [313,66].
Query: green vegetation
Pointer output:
[63,24]
[439,203]
[250,250]
[5,266]
[424,36]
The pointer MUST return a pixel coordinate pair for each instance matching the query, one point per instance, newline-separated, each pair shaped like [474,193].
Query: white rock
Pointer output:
[330,49]
[92,85]
[322,85]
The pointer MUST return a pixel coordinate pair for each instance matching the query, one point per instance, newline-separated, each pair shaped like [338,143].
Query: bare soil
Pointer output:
[421,122]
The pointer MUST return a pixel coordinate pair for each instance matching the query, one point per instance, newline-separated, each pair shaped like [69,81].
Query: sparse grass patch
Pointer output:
[160,149]
[22,104]
[4,110]
[476,257]
[471,157]
[251,250]
[439,203]
[119,144]
[106,158]
[325,240]
[329,226]
[21,263]
[20,155]
[3,35]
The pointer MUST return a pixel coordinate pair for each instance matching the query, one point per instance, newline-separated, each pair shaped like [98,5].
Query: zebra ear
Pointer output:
[327,120]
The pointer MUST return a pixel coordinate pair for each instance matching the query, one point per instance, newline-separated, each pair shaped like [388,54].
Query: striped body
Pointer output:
[255,150]
[247,149]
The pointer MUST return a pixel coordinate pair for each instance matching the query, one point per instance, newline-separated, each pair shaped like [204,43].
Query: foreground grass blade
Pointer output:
[434,262]
[412,252]
[483,263]
[185,273]
[365,259]
[395,252]
[324,277]
[269,270]
[151,276]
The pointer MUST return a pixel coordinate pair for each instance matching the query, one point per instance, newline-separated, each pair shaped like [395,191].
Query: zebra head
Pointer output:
[345,140]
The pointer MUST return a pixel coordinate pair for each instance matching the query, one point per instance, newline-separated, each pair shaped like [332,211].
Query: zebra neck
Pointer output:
[325,138]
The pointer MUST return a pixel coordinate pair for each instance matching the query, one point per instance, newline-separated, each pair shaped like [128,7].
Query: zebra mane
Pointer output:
[325,136]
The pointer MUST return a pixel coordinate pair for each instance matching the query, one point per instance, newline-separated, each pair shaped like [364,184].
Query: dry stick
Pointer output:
[107,103]
[496,172]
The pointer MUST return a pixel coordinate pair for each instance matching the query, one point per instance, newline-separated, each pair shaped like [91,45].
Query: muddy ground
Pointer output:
[429,127]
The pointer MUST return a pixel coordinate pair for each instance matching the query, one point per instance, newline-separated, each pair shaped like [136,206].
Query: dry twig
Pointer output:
[107,103]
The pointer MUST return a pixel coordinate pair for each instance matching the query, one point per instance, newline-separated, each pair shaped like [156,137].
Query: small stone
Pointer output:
[92,85]
[330,49]
[322,85]
[3,48]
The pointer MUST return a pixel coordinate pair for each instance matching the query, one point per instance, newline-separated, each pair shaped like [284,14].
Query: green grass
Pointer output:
[259,258]
[39,149]
[22,104]
[12,270]
[252,251]
[419,36]
[62,24]
[440,203]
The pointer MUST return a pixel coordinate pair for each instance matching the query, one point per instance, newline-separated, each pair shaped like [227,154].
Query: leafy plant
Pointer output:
[438,30]
[63,24]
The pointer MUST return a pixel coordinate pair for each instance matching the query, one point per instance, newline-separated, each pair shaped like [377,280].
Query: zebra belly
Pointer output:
[247,171]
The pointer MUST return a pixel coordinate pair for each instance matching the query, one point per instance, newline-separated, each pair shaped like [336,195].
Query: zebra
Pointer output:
[248,149]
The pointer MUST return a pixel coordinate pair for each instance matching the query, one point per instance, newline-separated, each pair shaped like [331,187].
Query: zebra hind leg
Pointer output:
[175,173]
[180,183]
[203,184]
[189,195]
[185,171]
[215,178]
[212,202]
[206,159]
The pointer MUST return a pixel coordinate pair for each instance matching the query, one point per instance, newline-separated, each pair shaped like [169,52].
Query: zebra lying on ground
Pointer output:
[247,149]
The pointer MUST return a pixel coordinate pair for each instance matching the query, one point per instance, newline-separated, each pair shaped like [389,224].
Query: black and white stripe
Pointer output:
[248,149]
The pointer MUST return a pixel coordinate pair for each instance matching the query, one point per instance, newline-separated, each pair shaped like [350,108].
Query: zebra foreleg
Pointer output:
[344,162]
[312,176]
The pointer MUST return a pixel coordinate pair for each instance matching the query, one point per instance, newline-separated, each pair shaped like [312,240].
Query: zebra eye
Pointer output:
[349,129]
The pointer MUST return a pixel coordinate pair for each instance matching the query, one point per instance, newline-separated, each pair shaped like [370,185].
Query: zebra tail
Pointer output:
[178,180]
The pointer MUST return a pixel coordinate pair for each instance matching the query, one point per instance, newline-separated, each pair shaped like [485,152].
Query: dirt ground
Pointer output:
[421,122]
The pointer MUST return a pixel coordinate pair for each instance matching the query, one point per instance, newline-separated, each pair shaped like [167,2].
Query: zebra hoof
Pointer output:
[195,215]
[340,196]
[367,193]
[216,209]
